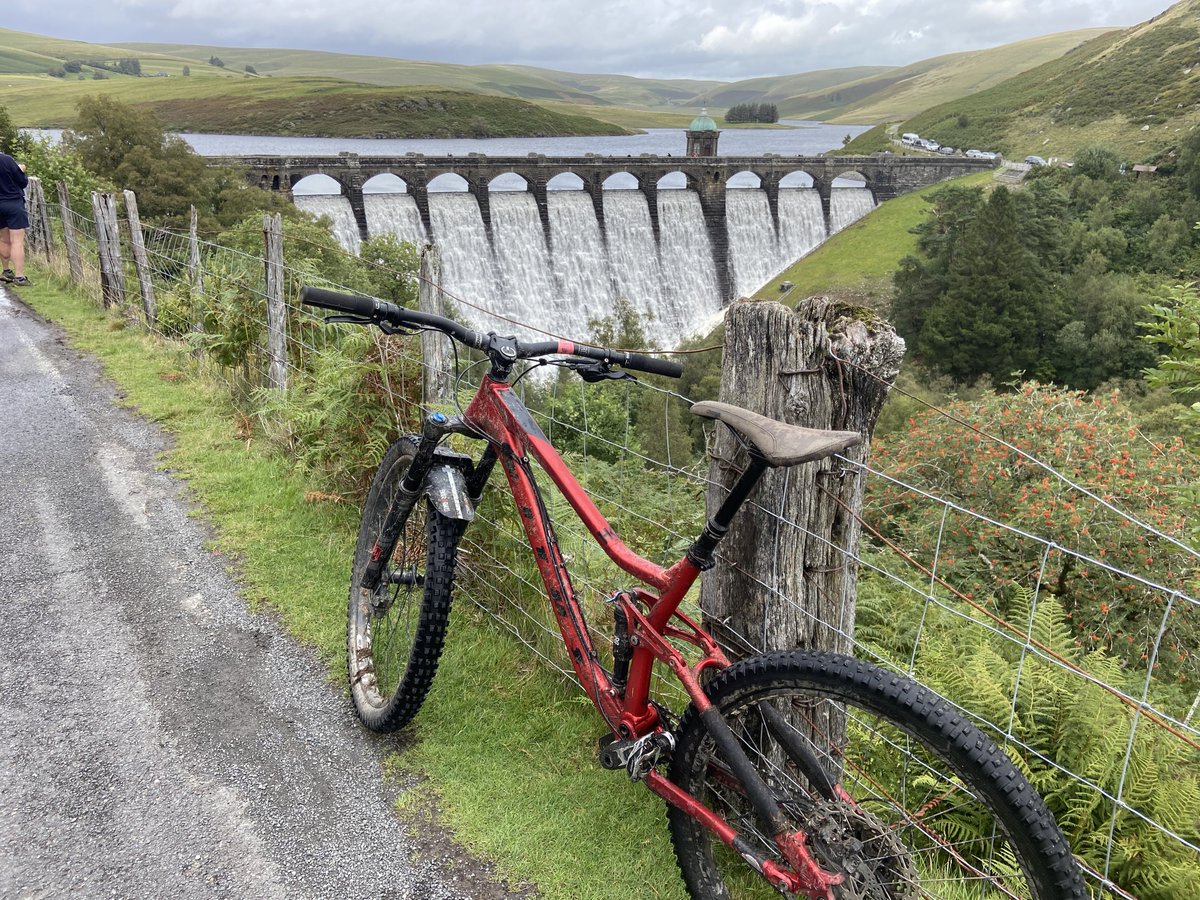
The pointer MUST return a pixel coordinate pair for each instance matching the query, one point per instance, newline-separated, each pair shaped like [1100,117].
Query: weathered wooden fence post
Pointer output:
[108,249]
[789,564]
[435,362]
[140,260]
[195,276]
[70,237]
[40,236]
[277,375]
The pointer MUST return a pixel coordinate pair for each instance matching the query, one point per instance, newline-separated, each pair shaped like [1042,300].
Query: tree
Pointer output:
[1096,162]
[1174,330]
[105,132]
[187,70]
[216,61]
[130,67]
[250,70]
[8,132]
[128,148]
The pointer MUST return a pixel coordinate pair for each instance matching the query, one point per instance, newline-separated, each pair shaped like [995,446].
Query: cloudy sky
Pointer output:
[721,39]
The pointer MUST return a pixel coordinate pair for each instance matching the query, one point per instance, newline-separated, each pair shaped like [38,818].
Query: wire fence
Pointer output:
[968,598]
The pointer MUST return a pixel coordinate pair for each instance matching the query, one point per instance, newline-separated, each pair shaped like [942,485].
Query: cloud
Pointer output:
[767,32]
[724,39]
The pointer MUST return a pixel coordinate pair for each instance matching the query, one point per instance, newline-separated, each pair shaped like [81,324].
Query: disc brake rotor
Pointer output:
[859,845]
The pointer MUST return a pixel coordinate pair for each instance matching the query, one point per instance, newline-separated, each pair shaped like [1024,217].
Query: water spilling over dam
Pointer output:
[562,281]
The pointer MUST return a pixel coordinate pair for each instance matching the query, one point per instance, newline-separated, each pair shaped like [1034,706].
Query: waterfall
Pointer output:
[467,271]
[562,284]
[848,205]
[753,246]
[581,270]
[337,207]
[632,254]
[801,223]
[691,291]
[527,291]
[394,214]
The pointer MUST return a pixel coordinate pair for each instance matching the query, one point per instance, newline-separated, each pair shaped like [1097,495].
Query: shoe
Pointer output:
[20,281]
[8,275]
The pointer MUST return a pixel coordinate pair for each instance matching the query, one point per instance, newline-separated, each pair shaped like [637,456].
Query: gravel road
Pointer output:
[156,738]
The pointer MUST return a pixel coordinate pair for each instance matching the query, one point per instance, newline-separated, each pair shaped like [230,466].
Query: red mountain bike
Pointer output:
[804,774]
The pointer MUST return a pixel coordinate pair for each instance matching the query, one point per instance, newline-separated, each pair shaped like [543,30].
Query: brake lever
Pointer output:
[353,320]
[593,372]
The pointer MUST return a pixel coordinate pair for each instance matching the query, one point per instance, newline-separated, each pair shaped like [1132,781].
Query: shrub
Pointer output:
[1092,440]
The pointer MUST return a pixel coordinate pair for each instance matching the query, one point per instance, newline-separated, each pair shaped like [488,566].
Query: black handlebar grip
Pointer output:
[654,365]
[354,304]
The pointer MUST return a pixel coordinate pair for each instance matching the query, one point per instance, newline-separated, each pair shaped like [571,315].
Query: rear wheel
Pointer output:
[929,806]
[396,633]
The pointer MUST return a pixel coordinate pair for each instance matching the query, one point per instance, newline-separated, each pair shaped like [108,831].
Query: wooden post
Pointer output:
[70,238]
[788,572]
[277,375]
[436,384]
[195,276]
[140,260]
[108,248]
[40,236]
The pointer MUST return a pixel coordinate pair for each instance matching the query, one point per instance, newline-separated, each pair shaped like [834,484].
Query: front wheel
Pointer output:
[395,633]
[928,805]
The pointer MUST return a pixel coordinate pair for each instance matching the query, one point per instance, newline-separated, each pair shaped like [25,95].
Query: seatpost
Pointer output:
[700,554]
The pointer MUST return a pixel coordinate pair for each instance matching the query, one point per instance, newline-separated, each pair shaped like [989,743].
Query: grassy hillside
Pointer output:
[858,262]
[23,53]
[297,106]
[944,78]
[1136,90]
[777,89]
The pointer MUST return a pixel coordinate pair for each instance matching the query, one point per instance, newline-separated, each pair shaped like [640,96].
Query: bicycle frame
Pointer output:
[497,413]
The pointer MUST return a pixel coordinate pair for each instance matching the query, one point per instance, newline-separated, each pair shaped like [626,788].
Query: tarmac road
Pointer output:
[156,739]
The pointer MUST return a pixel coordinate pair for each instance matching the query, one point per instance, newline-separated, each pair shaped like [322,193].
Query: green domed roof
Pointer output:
[702,122]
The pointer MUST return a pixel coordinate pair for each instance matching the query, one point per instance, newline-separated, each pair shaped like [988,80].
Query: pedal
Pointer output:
[611,756]
[636,757]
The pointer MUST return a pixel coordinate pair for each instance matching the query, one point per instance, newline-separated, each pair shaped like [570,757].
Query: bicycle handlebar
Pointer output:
[379,312]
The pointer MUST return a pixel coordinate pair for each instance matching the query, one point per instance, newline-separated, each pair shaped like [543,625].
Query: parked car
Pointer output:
[1035,161]
[947,151]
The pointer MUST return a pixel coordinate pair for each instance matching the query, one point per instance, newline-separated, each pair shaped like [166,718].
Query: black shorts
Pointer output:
[13,215]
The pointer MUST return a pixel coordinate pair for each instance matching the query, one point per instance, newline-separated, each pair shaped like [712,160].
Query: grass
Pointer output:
[507,750]
[296,106]
[931,82]
[858,262]
[1136,91]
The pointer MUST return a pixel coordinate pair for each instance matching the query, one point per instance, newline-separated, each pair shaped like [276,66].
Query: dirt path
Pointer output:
[156,739]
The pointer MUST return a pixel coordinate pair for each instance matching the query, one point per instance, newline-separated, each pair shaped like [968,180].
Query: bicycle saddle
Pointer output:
[777,442]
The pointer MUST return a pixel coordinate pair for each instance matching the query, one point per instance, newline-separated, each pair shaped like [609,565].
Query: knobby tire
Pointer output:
[927,786]
[395,638]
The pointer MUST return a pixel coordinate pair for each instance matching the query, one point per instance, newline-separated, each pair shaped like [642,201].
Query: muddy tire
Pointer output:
[395,634]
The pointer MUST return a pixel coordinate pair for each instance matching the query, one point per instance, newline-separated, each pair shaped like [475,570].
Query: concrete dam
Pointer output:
[553,241]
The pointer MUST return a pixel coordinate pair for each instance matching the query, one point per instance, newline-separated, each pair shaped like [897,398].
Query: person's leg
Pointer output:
[16,250]
[5,261]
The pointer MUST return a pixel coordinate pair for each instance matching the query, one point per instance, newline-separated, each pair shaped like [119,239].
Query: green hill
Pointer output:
[318,107]
[1136,90]
[777,89]
[930,82]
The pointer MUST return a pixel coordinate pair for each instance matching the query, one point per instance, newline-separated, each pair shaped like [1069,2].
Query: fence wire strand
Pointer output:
[503,585]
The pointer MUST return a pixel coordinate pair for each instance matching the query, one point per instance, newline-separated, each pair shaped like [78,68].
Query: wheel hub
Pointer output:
[857,843]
